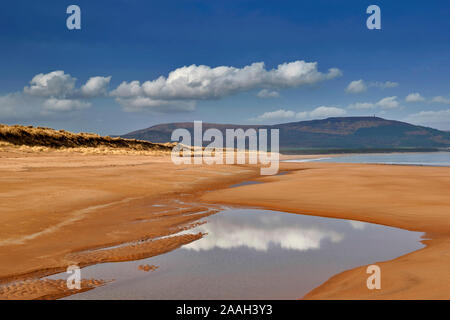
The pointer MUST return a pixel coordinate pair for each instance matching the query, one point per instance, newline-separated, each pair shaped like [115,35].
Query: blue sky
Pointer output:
[122,42]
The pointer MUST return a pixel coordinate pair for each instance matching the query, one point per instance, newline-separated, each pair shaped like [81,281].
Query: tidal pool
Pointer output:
[253,254]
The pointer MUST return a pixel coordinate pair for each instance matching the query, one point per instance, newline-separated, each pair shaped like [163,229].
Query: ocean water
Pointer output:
[441,159]
[253,254]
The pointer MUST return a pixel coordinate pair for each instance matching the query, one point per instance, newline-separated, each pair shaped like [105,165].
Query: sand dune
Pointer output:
[46,137]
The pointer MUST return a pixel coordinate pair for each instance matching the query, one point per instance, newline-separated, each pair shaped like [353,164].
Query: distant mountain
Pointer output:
[338,133]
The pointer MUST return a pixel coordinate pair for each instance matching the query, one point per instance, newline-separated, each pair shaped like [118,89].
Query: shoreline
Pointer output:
[158,182]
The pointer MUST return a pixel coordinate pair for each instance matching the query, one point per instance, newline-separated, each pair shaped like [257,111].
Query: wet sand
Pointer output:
[407,197]
[59,207]
[64,208]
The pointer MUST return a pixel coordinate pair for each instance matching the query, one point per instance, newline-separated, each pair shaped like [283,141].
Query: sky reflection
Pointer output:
[261,231]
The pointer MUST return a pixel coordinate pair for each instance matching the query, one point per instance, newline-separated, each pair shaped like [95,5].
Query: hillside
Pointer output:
[339,133]
[46,137]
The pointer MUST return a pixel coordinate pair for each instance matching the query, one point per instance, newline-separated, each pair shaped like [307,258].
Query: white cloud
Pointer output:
[54,104]
[359,86]
[319,112]
[203,82]
[362,105]
[384,85]
[128,89]
[57,84]
[53,84]
[325,112]
[441,99]
[388,103]
[191,83]
[280,114]
[356,86]
[264,93]
[302,115]
[95,86]
[49,93]
[140,103]
[179,91]
[414,97]
[17,105]
[436,119]
[385,103]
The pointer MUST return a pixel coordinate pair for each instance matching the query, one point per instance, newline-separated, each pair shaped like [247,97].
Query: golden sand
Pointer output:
[62,208]
[408,197]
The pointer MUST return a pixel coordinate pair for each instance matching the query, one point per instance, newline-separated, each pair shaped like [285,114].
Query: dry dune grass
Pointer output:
[41,139]
[35,139]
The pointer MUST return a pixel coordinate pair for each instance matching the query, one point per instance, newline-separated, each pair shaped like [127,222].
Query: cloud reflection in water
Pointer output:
[260,231]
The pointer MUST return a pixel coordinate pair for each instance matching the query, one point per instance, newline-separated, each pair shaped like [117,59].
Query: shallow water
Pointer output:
[253,254]
[441,159]
[245,183]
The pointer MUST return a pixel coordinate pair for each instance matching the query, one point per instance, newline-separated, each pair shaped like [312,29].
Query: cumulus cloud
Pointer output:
[388,103]
[385,103]
[356,86]
[359,86]
[436,119]
[441,99]
[96,86]
[204,82]
[414,97]
[280,114]
[180,91]
[384,85]
[362,105]
[52,84]
[319,112]
[162,106]
[325,112]
[54,104]
[16,106]
[264,93]
[128,89]
[302,115]
[57,84]
[52,92]
[200,82]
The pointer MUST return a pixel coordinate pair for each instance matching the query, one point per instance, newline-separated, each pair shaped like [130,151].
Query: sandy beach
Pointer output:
[408,197]
[60,209]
